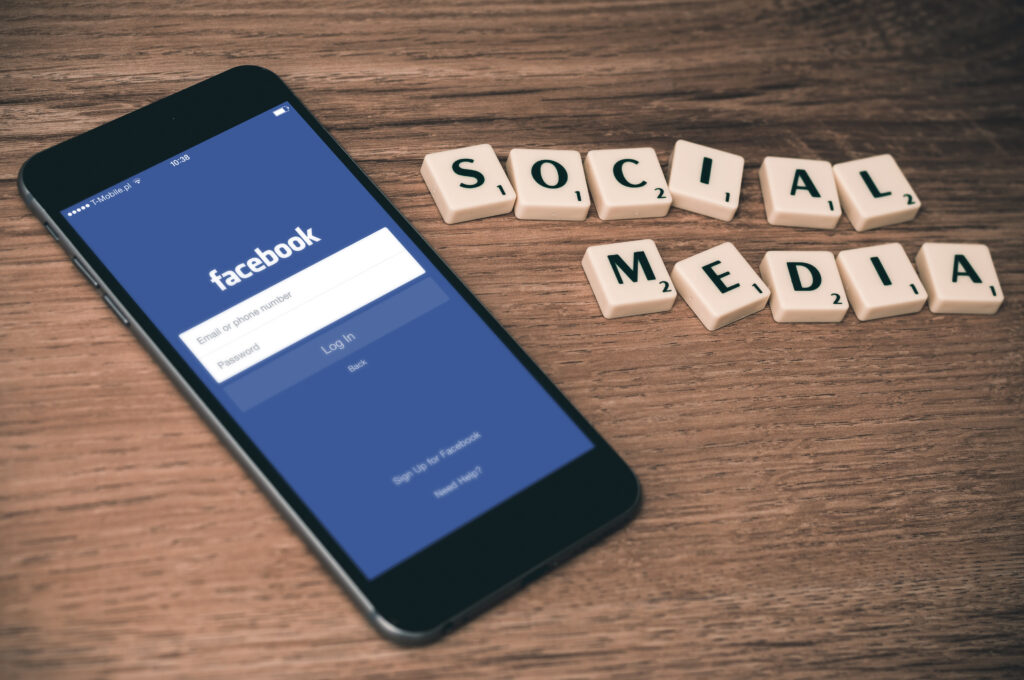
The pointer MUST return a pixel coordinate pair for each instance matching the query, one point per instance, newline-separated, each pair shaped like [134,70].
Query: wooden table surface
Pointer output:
[820,500]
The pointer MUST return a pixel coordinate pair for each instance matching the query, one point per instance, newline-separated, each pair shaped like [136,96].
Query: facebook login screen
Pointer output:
[362,375]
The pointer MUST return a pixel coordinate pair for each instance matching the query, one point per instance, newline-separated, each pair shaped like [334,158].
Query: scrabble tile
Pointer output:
[960,278]
[628,278]
[874,193]
[705,180]
[799,193]
[468,183]
[550,185]
[805,286]
[881,282]
[627,183]
[720,286]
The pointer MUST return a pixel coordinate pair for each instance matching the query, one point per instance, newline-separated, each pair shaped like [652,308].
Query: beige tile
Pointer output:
[799,193]
[628,278]
[550,185]
[874,192]
[805,285]
[627,183]
[705,180]
[881,282]
[720,286]
[468,183]
[960,278]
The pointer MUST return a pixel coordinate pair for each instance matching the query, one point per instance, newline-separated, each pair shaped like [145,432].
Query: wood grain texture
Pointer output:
[820,501]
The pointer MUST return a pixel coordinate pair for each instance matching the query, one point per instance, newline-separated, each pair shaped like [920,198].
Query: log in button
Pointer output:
[320,350]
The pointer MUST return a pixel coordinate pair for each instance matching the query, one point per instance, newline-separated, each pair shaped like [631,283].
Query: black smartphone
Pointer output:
[424,457]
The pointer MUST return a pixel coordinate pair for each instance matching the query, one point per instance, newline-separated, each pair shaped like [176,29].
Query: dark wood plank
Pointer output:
[846,500]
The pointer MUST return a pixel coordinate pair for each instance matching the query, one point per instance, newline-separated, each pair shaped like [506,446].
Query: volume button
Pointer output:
[117,312]
[50,229]
[85,273]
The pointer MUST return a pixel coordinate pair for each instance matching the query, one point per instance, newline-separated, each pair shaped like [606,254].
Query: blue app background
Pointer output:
[361,448]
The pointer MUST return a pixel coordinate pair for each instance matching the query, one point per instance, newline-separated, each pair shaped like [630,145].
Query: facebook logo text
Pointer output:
[264,259]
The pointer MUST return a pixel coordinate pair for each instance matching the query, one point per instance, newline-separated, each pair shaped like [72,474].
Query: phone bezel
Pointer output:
[460,574]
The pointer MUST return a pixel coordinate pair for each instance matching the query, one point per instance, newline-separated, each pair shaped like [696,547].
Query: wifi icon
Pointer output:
[137,180]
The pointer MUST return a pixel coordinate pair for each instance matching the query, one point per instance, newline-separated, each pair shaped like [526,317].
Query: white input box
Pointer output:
[279,316]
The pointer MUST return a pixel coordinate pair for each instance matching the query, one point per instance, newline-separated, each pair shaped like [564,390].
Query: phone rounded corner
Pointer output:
[23,181]
[404,637]
[254,72]
[632,493]
[633,509]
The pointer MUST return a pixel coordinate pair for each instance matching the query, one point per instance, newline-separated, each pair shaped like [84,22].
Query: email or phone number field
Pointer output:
[279,316]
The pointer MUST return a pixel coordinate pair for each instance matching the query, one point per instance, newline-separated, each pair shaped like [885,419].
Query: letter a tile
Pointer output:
[628,278]
[960,278]
[799,193]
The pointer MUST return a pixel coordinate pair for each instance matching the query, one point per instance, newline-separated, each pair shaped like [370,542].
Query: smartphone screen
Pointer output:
[371,385]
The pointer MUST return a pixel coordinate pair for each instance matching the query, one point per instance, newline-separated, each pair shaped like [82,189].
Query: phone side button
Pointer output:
[115,310]
[52,231]
[85,273]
